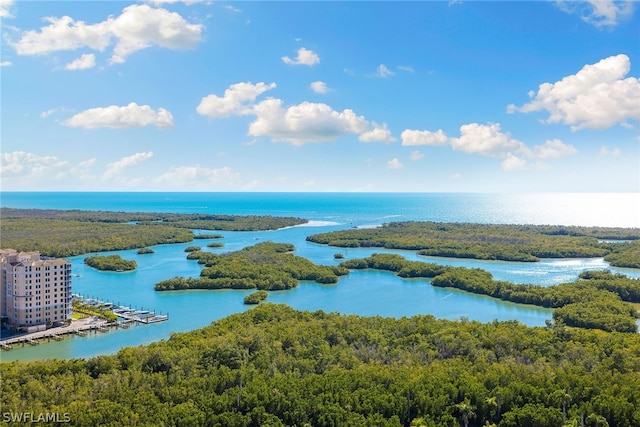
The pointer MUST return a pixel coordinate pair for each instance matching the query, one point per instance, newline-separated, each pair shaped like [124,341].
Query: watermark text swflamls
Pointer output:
[36,417]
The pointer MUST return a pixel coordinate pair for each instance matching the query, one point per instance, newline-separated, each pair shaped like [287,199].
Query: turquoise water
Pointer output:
[603,209]
[361,292]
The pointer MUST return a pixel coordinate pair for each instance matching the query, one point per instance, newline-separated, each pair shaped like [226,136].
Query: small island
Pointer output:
[143,251]
[208,236]
[110,263]
[256,297]
[215,245]
[192,248]
[267,265]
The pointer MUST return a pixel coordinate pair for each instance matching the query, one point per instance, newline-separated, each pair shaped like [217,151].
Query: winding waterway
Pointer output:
[361,292]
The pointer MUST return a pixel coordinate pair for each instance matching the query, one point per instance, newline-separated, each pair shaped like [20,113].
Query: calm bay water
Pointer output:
[361,292]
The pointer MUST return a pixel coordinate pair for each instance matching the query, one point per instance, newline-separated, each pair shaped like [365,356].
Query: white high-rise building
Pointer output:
[36,291]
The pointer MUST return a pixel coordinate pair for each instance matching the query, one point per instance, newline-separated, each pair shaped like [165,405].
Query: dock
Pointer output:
[125,313]
[79,327]
[127,317]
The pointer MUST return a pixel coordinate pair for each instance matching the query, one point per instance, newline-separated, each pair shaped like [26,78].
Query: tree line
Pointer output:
[275,366]
[192,221]
[596,300]
[494,241]
[625,254]
[64,238]
[64,233]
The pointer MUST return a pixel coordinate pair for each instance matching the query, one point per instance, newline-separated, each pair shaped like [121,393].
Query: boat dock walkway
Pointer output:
[127,316]
[77,327]
[125,313]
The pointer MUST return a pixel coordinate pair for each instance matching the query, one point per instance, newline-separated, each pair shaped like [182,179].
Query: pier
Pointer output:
[141,316]
[127,317]
[124,313]
[80,327]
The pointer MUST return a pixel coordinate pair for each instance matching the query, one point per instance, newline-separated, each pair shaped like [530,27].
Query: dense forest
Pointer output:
[110,263]
[274,366]
[63,233]
[194,221]
[494,242]
[64,238]
[625,254]
[265,266]
[598,299]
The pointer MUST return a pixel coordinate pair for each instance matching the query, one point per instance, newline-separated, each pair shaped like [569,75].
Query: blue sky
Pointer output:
[460,96]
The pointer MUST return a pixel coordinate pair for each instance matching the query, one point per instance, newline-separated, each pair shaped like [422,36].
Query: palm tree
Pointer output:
[418,422]
[563,397]
[494,402]
[466,410]
[597,420]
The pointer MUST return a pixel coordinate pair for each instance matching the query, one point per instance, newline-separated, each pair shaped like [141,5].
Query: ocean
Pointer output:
[588,209]
[367,293]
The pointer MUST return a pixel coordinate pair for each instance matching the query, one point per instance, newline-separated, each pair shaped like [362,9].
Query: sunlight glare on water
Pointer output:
[603,210]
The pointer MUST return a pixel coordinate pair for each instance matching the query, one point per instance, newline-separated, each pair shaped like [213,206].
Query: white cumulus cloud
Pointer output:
[305,122]
[137,27]
[237,99]
[115,169]
[423,137]
[394,164]
[486,139]
[305,57]
[552,149]
[597,97]
[5,5]
[113,116]
[489,140]
[199,177]
[296,124]
[161,2]
[377,133]
[606,151]
[86,61]
[512,162]
[599,13]
[63,34]
[140,27]
[319,87]
[23,164]
[34,172]
[6,64]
